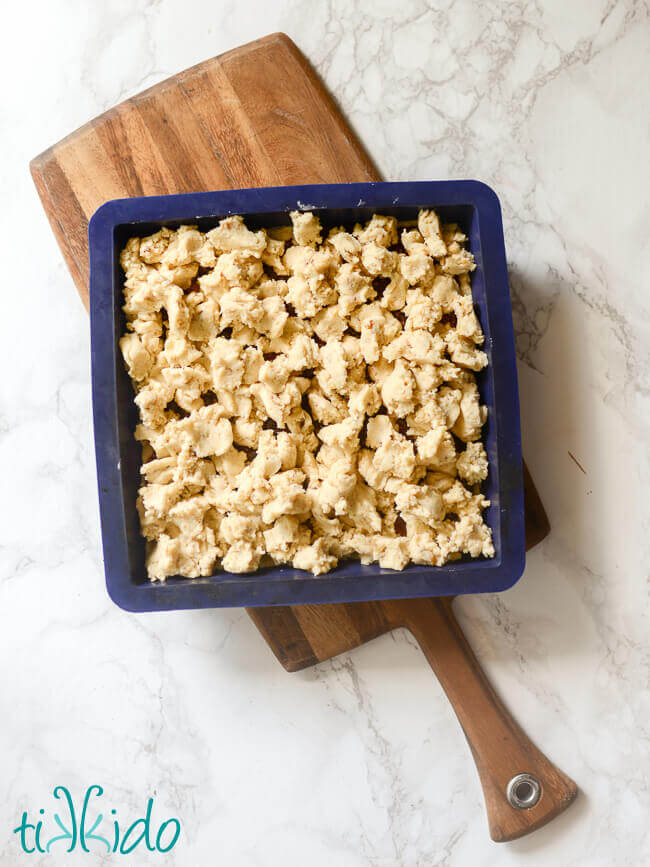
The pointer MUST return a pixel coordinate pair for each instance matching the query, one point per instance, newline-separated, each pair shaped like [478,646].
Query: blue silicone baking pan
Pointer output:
[471,204]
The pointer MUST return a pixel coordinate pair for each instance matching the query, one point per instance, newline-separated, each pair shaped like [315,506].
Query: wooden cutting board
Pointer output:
[259,116]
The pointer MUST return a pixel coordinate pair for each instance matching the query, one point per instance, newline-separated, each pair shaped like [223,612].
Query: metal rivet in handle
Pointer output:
[524,791]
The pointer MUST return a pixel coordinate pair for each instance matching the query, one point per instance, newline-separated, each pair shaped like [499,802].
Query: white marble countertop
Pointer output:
[358,761]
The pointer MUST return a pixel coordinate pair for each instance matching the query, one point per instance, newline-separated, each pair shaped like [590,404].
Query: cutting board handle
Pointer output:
[523,790]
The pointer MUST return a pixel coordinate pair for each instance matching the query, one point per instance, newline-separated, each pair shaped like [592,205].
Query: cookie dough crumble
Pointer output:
[306,396]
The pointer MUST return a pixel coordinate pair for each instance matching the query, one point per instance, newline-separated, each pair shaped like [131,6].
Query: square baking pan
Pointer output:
[471,204]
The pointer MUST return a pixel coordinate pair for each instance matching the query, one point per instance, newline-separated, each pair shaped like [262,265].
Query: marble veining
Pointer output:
[359,761]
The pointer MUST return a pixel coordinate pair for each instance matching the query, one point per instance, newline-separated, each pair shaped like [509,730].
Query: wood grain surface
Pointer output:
[500,747]
[259,116]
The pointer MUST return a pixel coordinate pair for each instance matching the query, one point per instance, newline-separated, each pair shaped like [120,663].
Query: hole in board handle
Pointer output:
[524,791]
